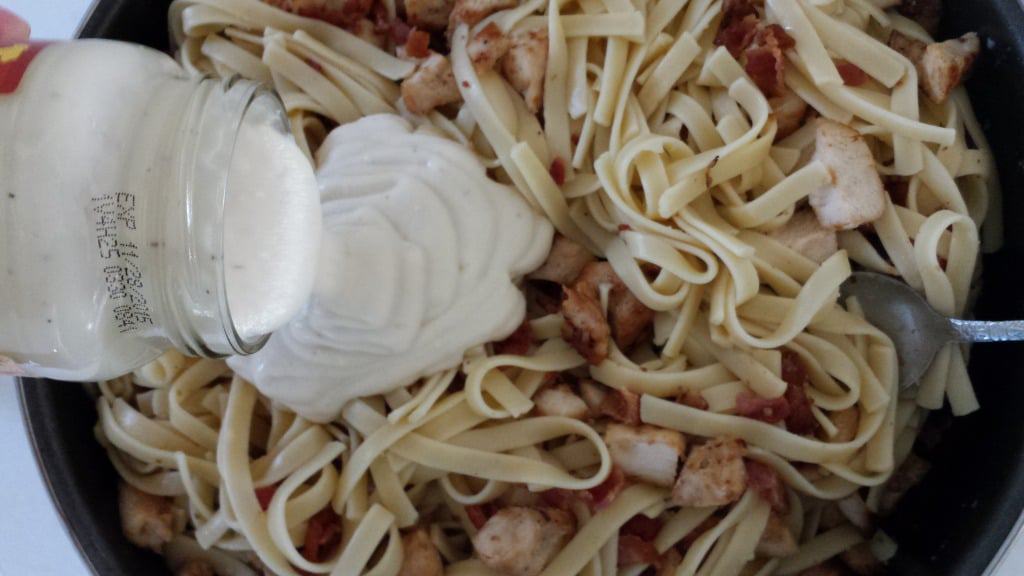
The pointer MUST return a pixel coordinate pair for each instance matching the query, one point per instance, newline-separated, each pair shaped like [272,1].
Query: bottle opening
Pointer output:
[271,225]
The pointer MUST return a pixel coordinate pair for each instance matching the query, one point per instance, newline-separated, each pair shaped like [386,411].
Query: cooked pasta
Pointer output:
[674,147]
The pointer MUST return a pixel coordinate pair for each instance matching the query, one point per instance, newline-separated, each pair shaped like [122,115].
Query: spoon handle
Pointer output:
[985,331]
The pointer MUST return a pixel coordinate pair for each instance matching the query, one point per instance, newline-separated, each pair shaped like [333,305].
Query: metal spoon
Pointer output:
[917,330]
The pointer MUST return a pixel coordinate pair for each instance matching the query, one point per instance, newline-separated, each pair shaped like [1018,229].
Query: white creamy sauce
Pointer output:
[272,229]
[418,263]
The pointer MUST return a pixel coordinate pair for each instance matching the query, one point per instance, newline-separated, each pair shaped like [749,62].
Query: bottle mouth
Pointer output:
[220,111]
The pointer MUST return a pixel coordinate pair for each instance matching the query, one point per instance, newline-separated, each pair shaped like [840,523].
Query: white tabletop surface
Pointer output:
[32,540]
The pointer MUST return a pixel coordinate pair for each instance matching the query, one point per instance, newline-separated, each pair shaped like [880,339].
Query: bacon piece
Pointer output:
[479,513]
[525,64]
[851,73]
[927,13]
[622,406]
[146,520]
[765,69]
[768,485]
[432,85]
[521,541]
[487,46]
[560,400]
[643,526]
[714,474]
[766,63]
[518,342]
[557,171]
[564,263]
[770,410]
[419,555]
[800,419]
[265,495]
[323,535]
[605,493]
[737,35]
[429,14]
[596,498]
[417,44]
[398,30]
[635,550]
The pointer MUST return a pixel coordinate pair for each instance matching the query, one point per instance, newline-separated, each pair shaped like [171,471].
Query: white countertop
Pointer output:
[32,540]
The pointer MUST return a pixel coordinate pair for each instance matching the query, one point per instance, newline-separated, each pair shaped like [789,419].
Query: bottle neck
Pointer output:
[189,216]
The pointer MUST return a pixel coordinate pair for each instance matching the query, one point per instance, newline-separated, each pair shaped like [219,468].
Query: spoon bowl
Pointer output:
[917,330]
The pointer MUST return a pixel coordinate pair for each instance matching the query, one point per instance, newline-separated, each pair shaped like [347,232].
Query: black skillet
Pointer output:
[954,524]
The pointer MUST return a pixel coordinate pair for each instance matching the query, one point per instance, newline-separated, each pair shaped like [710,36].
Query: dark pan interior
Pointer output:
[953,524]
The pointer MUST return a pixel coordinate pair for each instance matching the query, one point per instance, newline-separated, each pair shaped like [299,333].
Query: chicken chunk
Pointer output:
[646,453]
[521,541]
[941,66]
[196,568]
[847,422]
[432,85]
[564,263]
[855,195]
[585,329]
[629,318]
[776,540]
[804,234]
[420,556]
[861,561]
[146,520]
[487,47]
[789,110]
[560,400]
[622,406]
[525,64]
[593,395]
[473,11]
[944,65]
[714,474]
[429,14]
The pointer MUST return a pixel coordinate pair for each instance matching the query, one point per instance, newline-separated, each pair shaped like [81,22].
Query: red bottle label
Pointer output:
[14,61]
